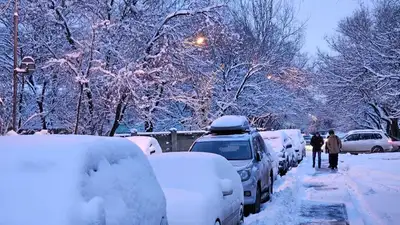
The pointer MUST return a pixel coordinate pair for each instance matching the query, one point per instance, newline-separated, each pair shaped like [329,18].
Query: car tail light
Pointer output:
[390,140]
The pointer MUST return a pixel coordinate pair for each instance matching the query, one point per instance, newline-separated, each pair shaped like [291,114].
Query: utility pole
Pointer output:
[15,72]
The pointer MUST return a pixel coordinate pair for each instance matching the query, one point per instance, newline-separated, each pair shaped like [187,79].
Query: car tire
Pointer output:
[256,207]
[294,163]
[376,149]
[241,215]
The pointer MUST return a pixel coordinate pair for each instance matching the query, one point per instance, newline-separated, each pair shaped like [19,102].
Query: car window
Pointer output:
[257,147]
[353,137]
[263,147]
[377,136]
[366,136]
[230,149]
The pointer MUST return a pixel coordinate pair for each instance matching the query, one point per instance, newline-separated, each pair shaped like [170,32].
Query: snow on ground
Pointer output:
[365,190]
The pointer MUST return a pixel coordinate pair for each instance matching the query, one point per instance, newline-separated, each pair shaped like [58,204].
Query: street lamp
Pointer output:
[27,66]
[200,40]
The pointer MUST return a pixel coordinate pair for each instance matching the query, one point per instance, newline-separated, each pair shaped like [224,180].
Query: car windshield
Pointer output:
[231,150]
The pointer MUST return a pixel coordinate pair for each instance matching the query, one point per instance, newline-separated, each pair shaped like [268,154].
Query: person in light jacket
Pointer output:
[333,147]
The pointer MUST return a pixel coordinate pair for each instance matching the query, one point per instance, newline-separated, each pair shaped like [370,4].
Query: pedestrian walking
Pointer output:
[333,147]
[317,142]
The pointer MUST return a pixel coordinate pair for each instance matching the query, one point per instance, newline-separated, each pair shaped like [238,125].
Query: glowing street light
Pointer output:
[200,40]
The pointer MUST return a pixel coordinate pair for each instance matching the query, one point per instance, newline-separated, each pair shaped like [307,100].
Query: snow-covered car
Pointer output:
[201,188]
[70,180]
[299,143]
[233,138]
[149,145]
[281,144]
[274,158]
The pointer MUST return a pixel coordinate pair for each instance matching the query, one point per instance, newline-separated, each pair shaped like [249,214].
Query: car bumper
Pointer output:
[249,191]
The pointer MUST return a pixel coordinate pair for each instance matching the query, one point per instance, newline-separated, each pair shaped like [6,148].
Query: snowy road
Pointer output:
[365,190]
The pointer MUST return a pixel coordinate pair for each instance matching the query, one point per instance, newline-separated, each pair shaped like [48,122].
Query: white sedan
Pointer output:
[149,145]
[200,188]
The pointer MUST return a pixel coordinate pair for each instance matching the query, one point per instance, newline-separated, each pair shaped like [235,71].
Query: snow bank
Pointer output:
[74,180]
[11,133]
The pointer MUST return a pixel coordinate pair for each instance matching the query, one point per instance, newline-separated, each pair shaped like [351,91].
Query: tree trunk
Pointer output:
[78,110]
[394,128]
[119,113]
[40,103]
[148,126]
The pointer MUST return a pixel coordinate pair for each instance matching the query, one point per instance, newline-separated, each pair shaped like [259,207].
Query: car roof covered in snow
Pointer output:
[69,179]
[230,122]
[365,131]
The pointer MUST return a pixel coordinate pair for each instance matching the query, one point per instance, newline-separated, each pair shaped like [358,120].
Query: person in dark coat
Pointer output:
[317,142]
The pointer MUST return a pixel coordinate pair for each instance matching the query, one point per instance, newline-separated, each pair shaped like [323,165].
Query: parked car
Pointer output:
[275,159]
[201,188]
[298,143]
[233,138]
[52,179]
[149,145]
[284,151]
[366,141]
[395,143]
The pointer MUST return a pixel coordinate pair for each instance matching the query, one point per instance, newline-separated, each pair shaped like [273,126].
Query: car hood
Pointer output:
[189,207]
[240,164]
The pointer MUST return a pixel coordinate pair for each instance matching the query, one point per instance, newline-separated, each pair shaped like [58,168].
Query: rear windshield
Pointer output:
[231,150]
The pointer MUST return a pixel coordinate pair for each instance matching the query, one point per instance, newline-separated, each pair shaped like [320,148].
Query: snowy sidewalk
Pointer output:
[308,196]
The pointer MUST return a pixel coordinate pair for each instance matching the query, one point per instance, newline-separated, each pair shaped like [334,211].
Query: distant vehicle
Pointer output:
[149,145]
[281,144]
[307,138]
[299,143]
[366,141]
[233,138]
[201,188]
[69,179]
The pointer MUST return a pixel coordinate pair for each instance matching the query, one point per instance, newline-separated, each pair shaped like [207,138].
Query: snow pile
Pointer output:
[283,207]
[42,132]
[149,145]
[76,180]
[193,187]
[11,133]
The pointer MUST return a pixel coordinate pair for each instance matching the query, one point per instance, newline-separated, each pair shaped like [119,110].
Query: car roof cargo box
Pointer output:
[230,125]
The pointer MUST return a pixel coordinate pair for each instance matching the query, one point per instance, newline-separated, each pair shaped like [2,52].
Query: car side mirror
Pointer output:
[258,156]
[226,187]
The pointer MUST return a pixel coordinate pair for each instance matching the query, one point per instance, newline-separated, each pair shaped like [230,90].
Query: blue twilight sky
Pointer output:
[322,17]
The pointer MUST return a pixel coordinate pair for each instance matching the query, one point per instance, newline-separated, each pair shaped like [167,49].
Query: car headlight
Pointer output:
[244,174]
